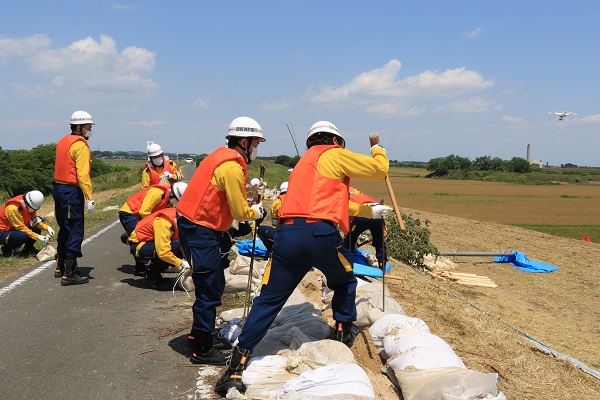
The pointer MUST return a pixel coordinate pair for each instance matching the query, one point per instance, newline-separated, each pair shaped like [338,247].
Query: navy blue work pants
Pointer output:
[15,239]
[68,210]
[300,246]
[360,224]
[202,248]
[267,236]
[147,253]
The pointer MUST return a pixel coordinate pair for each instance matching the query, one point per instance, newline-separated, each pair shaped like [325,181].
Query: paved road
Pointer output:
[101,340]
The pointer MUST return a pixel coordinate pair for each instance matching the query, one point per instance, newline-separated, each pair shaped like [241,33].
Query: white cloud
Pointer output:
[512,120]
[475,32]
[470,105]
[11,47]
[87,66]
[383,83]
[277,105]
[202,102]
[594,118]
[395,109]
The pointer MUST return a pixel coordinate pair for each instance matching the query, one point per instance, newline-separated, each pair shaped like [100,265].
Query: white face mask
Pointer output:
[31,210]
[253,153]
[87,134]
[157,161]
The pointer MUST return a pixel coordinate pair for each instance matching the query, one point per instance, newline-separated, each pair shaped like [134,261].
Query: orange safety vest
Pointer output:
[362,198]
[154,176]
[204,204]
[65,170]
[5,224]
[144,231]
[312,195]
[135,201]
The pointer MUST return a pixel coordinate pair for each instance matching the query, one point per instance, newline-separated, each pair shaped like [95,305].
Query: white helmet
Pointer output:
[81,118]
[254,182]
[34,199]
[178,189]
[245,127]
[323,126]
[154,150]
[283,187]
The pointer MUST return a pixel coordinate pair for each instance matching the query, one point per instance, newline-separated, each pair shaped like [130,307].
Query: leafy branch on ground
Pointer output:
[412,245]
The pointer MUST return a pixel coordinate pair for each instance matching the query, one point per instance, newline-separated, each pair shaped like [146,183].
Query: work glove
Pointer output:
[91,206]
[168,175]
[261,187]
[44,238]
[235,225]
[380,211]
[34,222]
[50,231]
[185,264]
[260,210]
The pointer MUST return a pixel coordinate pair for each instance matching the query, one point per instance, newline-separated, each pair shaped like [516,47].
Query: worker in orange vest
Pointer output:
[158,166]
[216,195]
[72,192]
[361,221]
[143,203]
[316,204]
[19,224]
[267,233]
[155,241]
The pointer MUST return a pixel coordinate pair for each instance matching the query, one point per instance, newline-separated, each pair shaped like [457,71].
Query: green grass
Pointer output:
[568,231]
[275,174]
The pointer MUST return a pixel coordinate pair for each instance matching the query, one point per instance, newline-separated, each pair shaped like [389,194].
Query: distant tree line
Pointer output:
[442,166]
[25,170]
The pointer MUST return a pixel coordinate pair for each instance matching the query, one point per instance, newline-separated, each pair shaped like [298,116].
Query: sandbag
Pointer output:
[47,253]
[335,381]
[313,355]
[421,350]
[185,281]
[388,322]
[447,384]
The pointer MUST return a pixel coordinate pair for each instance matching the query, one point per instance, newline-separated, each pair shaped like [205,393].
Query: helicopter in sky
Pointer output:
[561,115]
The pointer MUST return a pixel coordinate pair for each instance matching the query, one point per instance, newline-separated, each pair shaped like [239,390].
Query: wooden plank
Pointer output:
[477,284]
[396,277]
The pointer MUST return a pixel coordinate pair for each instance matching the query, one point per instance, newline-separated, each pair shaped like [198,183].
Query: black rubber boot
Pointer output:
[233,374]
[71,277]
[6,251]
[218,341]
[153,277]
[204,352]
[346,332]
[60,268]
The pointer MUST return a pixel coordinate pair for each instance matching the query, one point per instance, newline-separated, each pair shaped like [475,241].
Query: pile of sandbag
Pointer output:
[424,366]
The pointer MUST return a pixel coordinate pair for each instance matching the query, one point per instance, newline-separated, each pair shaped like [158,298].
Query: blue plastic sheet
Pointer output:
[361,265]
[245,247]
[519,260]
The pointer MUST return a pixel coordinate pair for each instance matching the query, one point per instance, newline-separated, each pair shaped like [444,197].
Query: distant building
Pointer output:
[533,162]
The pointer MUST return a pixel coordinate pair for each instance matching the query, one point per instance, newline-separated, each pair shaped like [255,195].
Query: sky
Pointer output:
[432,78]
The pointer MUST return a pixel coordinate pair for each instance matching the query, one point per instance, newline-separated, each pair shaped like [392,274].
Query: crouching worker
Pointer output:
[155,242]
[316,203]
[20,226]
[367,214]
[143,203]
[267,233]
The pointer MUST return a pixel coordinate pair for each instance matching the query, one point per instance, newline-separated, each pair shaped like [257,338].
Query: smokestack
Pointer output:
[528,152]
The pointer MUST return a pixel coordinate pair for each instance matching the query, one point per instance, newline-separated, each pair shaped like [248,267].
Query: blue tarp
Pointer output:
[245,247]
[519,260]
[362,267]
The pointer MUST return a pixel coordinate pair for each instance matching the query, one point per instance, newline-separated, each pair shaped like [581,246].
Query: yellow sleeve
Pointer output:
[153,197]
[145,178]
[15,218]
[275,206]
[162,241]
[229,178]
[177,172]
[359,210]
[80,153]
[340,163]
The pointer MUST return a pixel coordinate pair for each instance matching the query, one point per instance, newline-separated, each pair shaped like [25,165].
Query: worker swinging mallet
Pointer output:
[374,139]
